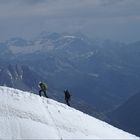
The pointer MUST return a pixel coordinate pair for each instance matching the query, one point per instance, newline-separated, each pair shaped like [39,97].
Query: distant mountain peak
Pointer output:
[16,41]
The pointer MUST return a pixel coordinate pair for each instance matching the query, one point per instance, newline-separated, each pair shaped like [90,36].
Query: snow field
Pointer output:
[24,115]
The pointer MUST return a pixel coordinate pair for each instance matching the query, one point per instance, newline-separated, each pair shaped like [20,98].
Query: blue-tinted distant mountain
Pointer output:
[17,42]
[127,116]
[47,35]
[19,76]
[103,73]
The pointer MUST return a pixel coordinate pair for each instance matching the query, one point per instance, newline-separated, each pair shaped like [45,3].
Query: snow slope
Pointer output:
[24,115]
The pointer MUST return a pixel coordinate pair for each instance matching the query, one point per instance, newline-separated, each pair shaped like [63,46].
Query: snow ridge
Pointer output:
[24,115]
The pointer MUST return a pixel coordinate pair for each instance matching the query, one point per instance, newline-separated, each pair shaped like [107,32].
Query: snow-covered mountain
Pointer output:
[45,42]
[24,115]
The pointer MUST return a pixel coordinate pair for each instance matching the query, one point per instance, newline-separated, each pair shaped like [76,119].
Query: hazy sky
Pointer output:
[111,19]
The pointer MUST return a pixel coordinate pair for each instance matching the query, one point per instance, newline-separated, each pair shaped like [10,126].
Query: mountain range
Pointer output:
[101,73]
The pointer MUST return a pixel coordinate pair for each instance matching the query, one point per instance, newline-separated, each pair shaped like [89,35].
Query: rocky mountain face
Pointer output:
[19,76]
[103,74]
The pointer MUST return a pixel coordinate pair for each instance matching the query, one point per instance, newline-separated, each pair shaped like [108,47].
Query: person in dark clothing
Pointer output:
[67,97]
[43,88]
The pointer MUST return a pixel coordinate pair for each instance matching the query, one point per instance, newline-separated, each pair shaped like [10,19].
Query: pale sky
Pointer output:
[108,19]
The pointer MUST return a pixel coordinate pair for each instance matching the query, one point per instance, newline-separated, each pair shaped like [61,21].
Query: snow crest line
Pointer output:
[57,129]
[70,128]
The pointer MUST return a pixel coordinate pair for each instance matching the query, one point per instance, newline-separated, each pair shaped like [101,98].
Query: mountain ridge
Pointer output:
[24,115]
[110,70]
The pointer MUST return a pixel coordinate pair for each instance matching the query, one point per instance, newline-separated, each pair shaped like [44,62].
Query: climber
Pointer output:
[43,88]
[67,96]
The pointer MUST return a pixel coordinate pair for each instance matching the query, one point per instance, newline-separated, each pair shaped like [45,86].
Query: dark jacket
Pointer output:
[43,86]
[67,94]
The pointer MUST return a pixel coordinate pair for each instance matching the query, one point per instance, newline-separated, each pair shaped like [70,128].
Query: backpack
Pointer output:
[43,86]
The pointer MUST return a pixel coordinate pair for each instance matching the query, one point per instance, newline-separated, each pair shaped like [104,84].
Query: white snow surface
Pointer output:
[24,115]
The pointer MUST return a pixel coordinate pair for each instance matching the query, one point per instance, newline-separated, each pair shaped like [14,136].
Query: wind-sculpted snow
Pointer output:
[24,115]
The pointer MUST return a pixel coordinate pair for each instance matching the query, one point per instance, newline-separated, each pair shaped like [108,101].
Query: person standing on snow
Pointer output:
[43,88]
[67,96]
